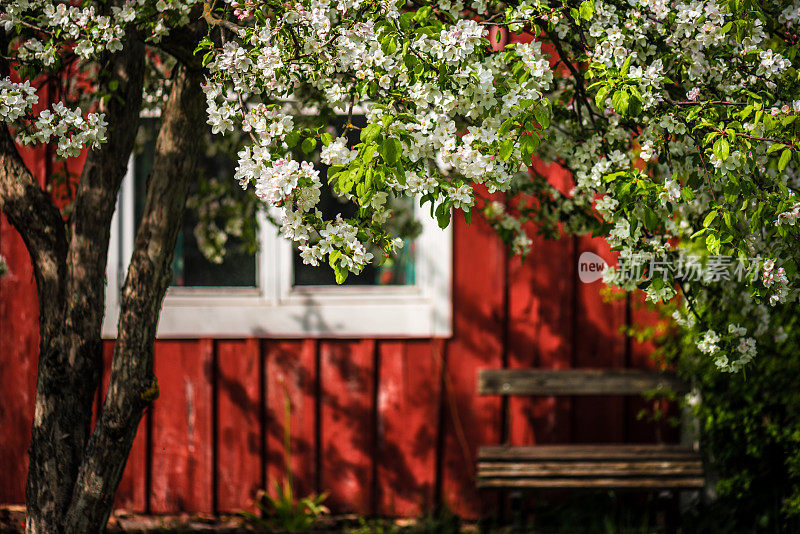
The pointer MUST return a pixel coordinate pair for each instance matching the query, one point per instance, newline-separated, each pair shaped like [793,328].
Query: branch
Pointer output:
[36,218]
[579,85]
[181,44]
[90,229]
[97,191]
[211,20]
[132,386]
[39,223]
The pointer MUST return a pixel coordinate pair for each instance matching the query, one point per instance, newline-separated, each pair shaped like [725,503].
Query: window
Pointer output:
[270,293]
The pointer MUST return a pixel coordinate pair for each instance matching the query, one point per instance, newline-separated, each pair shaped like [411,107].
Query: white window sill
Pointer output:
[276,309]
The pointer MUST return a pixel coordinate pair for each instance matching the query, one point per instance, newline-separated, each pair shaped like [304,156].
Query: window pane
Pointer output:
[395,271]
[398,270]
[190,267]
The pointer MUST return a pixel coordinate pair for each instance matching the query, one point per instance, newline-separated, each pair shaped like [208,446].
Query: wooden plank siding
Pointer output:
[409,398]
[386,426]
[237,424]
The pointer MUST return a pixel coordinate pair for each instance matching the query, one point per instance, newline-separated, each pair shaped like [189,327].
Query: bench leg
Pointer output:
[517,516]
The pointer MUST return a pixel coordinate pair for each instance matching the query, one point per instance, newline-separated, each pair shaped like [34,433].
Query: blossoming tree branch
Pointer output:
[676,119]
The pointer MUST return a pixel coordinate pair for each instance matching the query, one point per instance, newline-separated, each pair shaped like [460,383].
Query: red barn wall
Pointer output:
[385,426]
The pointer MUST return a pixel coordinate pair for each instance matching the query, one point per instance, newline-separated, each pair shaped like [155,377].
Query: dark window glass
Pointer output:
[190,266]
[398,270]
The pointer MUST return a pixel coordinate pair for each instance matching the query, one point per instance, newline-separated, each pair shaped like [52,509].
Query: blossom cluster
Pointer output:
[88,29]
[744,348]
[16,99]
[67,127]
[434,96]
[677,121]
[687,139]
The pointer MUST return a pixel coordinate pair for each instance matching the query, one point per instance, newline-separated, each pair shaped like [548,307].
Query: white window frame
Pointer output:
[276,309]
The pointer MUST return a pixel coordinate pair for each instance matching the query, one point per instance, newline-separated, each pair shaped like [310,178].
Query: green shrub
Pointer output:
[749,427]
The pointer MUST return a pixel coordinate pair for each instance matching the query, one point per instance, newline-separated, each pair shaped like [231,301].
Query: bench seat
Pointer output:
[590,466]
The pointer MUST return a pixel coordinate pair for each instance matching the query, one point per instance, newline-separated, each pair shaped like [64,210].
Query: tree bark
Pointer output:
[39,223]
[71,312]
[73,476]
[132,385]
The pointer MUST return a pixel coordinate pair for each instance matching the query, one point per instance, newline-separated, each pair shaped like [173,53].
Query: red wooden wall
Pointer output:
[385,426]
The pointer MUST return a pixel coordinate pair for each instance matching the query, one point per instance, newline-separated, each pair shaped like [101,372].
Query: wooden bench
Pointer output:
[585,466]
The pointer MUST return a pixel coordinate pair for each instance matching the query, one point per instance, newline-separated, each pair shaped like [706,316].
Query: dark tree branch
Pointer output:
[181,44]
[68,380]
[39,223]
[28,208]
[132,386]
[94,206]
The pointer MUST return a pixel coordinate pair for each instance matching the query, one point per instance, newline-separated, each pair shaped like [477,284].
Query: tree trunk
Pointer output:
[133,387]
[69,361]
[73,475]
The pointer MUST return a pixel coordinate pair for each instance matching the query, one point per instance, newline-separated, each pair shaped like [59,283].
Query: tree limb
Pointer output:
[39,223]
[68,381]
[94,206]
[132,386]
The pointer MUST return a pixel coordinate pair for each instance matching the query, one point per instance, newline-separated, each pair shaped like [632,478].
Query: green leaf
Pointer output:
[710,218]
[600,97]
[326,138]
[369,133]
[722,149]
[712,243]
[345,182]
[506,126]
[786,155]
[204,43]
[400,175]
[391,149]
[443,215]
[623,71]
[635,102]
[292,138]
[422,13]
[369,152]
[506,148]
[542,117]
[650,218]
[333,256]
[405,19]
[587,9]
[308,146]
[775,148]
[389,45]
[528,145]
[340,273]
[614,175]
[620,101]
